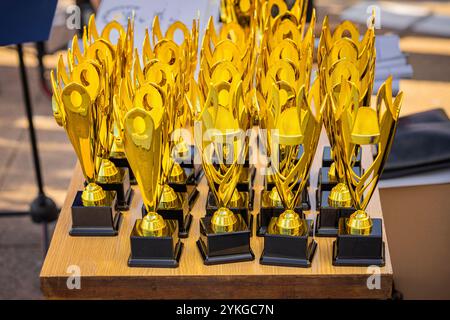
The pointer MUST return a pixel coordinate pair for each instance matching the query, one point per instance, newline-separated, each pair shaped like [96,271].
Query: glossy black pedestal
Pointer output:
[243,209]
[327,160]
[359,250]
[159,252]
[289,251]
[182,215]
[95,221]
[328,218]
[226,247]
[123,189]
[268,211]
[188,186]
[123,163]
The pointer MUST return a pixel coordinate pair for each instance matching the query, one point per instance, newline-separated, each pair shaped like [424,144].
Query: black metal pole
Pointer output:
[29,112]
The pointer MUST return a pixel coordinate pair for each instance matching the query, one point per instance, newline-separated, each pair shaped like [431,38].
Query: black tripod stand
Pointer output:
[42,209]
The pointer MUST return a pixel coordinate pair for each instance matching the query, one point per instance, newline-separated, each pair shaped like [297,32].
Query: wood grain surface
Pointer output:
[105,274]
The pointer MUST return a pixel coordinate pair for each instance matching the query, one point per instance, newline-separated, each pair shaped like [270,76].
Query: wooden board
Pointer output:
[105,274]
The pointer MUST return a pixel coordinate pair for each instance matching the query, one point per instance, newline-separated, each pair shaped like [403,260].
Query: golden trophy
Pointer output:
[144,119]
[224,235]
[293,122]
[359,240]
[341,57]
[179,63]
[124,52]
[286,55]
[229,56]
[93,209]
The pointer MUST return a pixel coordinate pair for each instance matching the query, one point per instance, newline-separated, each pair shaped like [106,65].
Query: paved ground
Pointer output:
[20,240]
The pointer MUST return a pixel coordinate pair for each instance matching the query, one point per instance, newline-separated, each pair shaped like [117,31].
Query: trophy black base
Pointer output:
[244,209]
[226,247]
[155,252]
[93,221]
[123,189]
[327,224]
[325,183]
[181,215]
[268,211]
[289,251]
[247,178]
[327,160]
[123,163]
[189,186]
[359,250]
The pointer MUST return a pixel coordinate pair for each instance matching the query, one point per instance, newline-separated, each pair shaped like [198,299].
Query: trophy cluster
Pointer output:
[125,104]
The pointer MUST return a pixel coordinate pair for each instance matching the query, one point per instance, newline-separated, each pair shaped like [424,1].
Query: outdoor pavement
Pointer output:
[21,247]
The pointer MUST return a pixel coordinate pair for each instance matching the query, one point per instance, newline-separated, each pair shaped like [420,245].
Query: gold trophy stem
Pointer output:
[177,174]
[169,198]
[117,150]
[93,195]
[340,196]
[359,223]
[152,225]
[332,172]
[108,172]
[235,200]
[289,223]
[223,220]
[274,196]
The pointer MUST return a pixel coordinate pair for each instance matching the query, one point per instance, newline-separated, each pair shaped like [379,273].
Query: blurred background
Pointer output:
[416,206]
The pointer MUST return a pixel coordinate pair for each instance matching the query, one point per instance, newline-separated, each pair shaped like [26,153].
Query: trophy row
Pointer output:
[140,117]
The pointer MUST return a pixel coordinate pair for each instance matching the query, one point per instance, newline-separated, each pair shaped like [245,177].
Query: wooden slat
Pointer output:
[105,274]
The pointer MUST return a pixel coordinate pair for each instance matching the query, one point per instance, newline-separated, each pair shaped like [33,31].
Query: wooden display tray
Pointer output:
[102,262]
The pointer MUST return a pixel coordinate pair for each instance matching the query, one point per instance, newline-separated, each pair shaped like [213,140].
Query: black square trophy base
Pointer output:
[328,217]
[359,250]
[181,214]
[246,179]
[327,160]
[325,183]
[189,186]
[226,247]
[243,210]
[268,211]
[123,189]
[158,252]
[93,221]
[289,251]
[189,162]
[123,163]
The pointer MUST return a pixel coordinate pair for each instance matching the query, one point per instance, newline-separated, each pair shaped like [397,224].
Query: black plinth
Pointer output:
[324,182]
[123,163]
[243,210]
[158,252]
[189,186]
[246,179]
[182,215]
[122,189]
[289,251]
[189,162]
[226,247]
[269,183]
[95,221]
[327,160]
[268,211]
[359,250]
[328,218]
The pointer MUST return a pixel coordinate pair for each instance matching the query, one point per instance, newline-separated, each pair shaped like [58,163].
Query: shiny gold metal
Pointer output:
[144,130]
[224,119]
[361,126]
[291,122]
[344,55]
